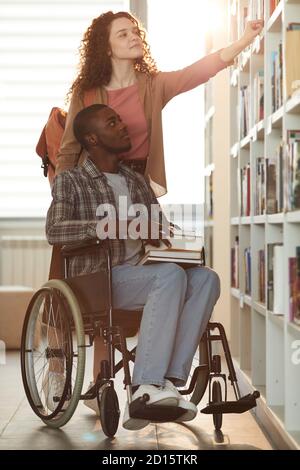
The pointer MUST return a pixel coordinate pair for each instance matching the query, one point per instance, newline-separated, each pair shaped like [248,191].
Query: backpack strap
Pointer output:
[89,98]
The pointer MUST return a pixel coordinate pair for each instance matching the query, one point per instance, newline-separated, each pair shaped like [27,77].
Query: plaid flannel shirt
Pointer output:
[71,217]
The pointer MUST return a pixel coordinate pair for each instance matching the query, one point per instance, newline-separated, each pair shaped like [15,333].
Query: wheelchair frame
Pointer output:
[59,293]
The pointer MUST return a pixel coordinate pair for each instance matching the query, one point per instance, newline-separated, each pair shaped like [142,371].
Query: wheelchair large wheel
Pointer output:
[217,398]
[53,353]
[109,409]
[200,359]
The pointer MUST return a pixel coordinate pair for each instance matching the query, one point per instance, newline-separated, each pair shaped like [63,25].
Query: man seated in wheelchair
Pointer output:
[177,303]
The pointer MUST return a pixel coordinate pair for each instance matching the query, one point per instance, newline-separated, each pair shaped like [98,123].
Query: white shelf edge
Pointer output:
[235,150]
[257,131]
[234,77]
[246,220]
[275,18]
[275,218]
[293,216]
[235,292]
[293,104]
[259,219]
[235,221]
[293,327]
[245,141]
[209,223]
[260,308]
[245,61]
[260,125]
[209,169]
[277,115]
[256,45]
[248,300]
[278,319]
[209,114]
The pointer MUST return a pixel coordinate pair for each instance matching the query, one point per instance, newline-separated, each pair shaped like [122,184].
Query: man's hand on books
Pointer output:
[162,231]
[156,243]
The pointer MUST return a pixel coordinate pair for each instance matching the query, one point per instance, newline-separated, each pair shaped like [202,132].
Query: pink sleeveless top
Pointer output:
[126,102]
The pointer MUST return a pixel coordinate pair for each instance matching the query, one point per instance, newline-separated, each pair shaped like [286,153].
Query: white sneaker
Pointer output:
[92,404]
[191,409]
[133,424]
[159,396]
[53,386]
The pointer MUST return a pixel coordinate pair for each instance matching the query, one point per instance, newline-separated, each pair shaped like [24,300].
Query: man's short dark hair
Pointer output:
[82,122]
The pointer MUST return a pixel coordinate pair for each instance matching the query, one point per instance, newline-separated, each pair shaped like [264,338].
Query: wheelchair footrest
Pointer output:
[155,413]
[239,406]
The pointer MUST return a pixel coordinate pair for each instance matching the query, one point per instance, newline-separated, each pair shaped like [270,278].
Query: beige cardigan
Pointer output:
[155,92]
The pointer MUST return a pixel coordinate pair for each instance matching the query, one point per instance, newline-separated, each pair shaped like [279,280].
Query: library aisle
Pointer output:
[263,163]
[21,429]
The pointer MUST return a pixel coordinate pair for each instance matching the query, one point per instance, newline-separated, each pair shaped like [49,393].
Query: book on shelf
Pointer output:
[292,48]
[296,318]
[247,272]
[209,202]
[271,186]
[274,182]
[260,186]
[273,5]
[278,277]
[244,186]
[261,276]
[256,9]
[294,287]
[292,262]
[235,264]
[276,78]
[185,250]
[292,183]
[209,247]
[279,178]
[244,114]
[275,280]
[258,98]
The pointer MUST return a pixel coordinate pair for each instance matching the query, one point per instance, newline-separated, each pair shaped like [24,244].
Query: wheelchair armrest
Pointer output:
[83,248]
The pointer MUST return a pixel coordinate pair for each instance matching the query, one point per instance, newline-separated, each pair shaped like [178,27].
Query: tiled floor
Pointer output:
[21,429]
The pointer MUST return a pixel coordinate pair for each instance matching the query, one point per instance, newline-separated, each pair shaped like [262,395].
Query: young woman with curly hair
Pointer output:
[116,68]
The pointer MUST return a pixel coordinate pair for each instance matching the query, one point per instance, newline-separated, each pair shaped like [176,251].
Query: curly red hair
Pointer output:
[95,67]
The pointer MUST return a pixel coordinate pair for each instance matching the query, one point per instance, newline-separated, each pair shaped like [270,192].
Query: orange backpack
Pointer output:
[50,139]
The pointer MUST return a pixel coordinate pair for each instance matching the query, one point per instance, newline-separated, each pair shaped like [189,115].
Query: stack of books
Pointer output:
[186,250]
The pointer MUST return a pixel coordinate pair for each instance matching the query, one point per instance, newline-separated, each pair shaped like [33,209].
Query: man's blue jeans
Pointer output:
[177,306]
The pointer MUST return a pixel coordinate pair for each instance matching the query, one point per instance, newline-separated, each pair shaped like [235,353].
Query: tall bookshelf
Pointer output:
[265,345]
[216,174]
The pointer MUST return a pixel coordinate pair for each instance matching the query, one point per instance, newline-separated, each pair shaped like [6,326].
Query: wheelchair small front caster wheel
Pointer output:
[217,398]
[108,404]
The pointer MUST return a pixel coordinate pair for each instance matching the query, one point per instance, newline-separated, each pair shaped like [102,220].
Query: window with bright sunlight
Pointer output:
[38,59]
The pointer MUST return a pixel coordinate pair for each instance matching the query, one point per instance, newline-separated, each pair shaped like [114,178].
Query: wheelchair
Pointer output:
[64,313]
